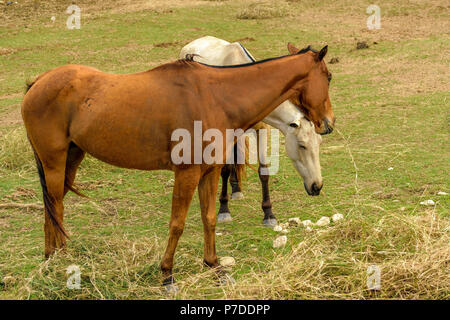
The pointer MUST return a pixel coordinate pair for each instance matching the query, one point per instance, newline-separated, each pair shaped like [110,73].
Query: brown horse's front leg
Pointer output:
[207,189]
[186,180]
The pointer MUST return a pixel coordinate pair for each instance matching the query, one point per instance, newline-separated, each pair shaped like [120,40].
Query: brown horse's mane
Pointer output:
[189,60]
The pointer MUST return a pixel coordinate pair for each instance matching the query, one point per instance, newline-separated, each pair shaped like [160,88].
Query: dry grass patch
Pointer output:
[15,151]
[412,253]
[263,10]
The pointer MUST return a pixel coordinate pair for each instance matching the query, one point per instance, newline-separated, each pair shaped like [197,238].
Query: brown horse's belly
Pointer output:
[122,141]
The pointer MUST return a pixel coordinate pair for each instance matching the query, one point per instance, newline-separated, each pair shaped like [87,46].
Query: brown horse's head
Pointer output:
[313,98]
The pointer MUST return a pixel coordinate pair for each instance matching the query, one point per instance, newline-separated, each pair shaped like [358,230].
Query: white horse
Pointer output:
[302,142]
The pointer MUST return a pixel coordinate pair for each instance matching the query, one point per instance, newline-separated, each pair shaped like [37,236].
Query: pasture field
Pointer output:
[390,152]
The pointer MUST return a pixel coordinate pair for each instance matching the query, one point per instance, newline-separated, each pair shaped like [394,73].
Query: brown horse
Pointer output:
[127,120]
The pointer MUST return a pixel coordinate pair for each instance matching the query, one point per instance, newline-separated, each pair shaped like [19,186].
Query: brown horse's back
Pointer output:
[107,115]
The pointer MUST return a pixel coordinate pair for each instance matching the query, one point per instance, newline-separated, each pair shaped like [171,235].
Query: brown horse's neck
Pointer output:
[253,91]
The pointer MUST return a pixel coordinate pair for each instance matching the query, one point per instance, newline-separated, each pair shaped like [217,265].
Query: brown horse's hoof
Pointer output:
[237,196]
[224,217]
[270,223]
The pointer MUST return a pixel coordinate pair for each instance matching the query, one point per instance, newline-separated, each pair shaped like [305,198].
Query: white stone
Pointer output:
[427,203]
[324,221]
[277,228]
[294,221]
[402,208]
[307,223]
[285,231]
[390,168]
[308,229]
[227,261]
[337,216]
[442,193]
[279,242]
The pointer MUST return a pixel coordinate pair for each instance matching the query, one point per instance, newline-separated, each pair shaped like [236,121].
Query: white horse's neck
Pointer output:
[284,115]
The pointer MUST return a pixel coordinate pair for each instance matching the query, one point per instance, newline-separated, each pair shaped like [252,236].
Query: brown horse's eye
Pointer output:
[329,77]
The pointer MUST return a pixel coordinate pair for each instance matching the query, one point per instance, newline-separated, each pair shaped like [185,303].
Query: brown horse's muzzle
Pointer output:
[325,127]
[328,127]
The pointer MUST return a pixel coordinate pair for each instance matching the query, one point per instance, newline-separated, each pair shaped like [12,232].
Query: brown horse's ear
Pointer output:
[322,53]
[292,49]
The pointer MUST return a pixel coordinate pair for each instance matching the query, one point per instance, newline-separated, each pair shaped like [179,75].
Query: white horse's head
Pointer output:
[302,144]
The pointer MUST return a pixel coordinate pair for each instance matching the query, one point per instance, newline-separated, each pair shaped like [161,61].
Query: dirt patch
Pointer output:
[11,96]
[362,45]
[259,10]
[7,51]
[245,39]
[20,194]
[11,117]
[334,60]
[26,12]
[166,44]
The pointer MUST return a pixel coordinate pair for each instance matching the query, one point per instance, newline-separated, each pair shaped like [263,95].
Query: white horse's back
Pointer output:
[215,51]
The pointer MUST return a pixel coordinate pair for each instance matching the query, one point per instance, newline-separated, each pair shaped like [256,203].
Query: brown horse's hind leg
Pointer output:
[54,165]
[50,146]
[186,181]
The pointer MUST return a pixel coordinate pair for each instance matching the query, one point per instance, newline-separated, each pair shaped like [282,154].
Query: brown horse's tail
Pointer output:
[73,189]
[48,199]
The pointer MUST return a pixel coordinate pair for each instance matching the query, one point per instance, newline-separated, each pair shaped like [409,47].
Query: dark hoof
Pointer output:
[169,285]
[270,223]
[225,279]
[224,217]
[237,196]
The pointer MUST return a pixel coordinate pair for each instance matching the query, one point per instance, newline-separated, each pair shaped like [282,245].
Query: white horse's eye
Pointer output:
[301,146]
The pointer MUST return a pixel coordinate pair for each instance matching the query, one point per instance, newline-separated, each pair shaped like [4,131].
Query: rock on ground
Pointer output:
[280,242]
[427,203]
[277,228]
[227,261]
[293,222]
[324,221]
[307,223]
[337,216]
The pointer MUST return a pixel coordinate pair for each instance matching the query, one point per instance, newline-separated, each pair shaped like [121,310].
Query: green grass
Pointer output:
[391,102]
